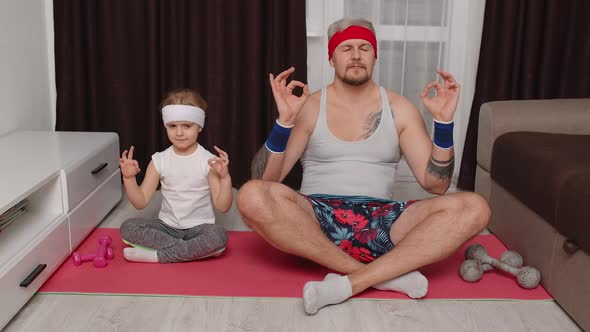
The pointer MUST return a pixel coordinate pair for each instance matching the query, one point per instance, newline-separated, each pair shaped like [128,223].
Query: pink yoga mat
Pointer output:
[252,268]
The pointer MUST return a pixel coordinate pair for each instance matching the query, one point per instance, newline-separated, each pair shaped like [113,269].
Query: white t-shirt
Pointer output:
[186,199]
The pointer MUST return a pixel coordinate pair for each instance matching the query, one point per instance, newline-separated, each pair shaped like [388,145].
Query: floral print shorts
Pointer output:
[359,225]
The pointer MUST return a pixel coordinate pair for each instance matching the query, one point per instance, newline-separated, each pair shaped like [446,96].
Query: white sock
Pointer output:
[414,284]
[140,255]
[317,294]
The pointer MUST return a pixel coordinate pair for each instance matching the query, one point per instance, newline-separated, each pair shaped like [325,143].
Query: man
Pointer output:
[350,137]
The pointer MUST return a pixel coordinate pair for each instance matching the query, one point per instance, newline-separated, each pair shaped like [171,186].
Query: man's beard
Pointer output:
[356,81]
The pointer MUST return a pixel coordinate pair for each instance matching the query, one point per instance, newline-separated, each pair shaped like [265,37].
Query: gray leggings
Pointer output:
[174,245]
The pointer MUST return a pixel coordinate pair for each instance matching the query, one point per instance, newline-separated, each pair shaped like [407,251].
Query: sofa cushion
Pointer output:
[550,173]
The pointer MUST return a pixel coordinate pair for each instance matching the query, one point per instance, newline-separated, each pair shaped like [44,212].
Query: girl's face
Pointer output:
[183,135]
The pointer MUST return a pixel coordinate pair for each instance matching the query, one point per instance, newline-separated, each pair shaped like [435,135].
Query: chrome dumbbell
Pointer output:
[479,261]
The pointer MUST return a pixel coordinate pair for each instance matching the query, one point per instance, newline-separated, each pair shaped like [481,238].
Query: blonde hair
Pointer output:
[184,97]
[346,22]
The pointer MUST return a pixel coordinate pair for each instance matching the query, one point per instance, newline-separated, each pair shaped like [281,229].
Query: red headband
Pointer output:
[352,32]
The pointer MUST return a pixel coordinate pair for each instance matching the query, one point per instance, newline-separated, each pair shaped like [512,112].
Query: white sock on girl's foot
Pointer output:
[140,255]
[414,284]
[317,294]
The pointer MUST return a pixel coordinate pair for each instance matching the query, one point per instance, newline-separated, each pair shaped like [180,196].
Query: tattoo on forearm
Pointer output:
[259,163]
[372,124]
[443,162]
[441,169]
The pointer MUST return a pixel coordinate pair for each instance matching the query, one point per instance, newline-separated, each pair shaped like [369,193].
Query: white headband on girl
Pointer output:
[194,114]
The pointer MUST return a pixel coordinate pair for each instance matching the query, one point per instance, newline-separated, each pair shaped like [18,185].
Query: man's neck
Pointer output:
[353,93]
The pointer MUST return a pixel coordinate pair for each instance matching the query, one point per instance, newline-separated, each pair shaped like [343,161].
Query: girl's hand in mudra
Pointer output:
[129,167]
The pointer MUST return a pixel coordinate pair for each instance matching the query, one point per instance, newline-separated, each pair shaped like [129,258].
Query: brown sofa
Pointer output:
[533,166]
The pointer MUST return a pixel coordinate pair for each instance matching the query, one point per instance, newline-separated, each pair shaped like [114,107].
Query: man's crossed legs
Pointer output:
[426,232]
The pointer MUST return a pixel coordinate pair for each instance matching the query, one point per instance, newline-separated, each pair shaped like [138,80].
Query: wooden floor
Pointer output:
[46,312]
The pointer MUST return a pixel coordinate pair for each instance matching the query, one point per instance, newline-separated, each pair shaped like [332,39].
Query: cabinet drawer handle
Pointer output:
[99,168]
[29,279]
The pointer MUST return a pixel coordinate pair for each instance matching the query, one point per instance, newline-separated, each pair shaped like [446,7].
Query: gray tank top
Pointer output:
[337,167]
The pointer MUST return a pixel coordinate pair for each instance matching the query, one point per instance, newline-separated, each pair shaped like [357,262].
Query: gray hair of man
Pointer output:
[343,23]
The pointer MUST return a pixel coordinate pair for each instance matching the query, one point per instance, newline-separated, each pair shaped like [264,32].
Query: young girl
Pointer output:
[191,178]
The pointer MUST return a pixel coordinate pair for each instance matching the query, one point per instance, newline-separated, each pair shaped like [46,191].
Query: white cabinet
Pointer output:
[70,180]
[94,208]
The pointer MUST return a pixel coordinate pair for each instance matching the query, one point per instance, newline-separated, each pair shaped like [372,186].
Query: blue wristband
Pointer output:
[278,138]
[443,134]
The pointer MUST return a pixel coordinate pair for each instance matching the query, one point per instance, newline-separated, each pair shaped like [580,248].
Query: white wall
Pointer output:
[27,84]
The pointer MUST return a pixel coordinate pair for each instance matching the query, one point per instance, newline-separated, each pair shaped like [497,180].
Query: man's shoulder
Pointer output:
[314,98]
[312,105]
[404,110]
[308,115]
[398,101]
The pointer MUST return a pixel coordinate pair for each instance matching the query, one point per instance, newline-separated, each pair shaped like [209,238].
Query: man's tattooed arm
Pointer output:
[441,169]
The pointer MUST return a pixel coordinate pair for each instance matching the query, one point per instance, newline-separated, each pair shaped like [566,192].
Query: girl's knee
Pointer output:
[216,235]
[128,228]
[222,235]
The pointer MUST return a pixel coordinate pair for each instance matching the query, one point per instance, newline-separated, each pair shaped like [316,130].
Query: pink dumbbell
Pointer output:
[81,258]
[100,258]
